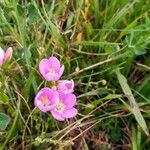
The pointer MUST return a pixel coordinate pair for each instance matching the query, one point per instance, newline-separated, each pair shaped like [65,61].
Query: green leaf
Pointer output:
[112,96]
[4,121]
[116,133]
[21,10]
[98,91]
[133,105]
[8,9]
[139,51]
[33,14]
[3,98]
[108,97]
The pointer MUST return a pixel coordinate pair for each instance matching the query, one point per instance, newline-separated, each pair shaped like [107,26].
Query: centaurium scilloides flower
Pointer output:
[51,69]
[64,108]
[46,99]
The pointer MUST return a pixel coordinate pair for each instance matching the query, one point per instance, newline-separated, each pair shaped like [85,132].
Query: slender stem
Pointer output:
[90,67]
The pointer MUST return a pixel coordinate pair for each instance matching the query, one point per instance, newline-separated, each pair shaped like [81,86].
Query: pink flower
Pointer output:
[5,56]
[51,69]
[65,86]
[46,99]
[64,108]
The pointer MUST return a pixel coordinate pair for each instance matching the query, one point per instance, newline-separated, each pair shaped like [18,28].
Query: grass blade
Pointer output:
[133,105]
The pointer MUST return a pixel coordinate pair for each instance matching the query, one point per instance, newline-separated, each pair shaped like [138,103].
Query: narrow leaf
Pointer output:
[133,105]
[3,98]
[98,91]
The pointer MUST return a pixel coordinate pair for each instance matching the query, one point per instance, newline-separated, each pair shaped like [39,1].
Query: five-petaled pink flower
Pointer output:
[65,86]
[64,108]
[46,99]
[51,69]
[5,56]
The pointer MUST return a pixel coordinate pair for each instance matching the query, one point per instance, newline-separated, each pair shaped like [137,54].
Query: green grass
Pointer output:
[105,47]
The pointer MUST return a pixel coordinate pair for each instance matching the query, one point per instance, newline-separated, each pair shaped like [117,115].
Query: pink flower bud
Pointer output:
[65,86]
[5,56]
[8,54]
[2,55]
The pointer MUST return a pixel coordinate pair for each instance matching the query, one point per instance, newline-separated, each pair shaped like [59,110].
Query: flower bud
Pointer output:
[2,55]
[8,54]
[65,86]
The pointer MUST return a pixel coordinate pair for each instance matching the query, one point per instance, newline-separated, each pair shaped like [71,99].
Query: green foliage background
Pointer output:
[105,47]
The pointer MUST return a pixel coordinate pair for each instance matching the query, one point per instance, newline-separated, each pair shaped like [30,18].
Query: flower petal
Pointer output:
[70,113]
[2,55]
[52,76]
[57,116]
[52,95]
[68,99]
[55,97]
[43,67]
[54,63]
[51,100]
[61,70]
[43,108]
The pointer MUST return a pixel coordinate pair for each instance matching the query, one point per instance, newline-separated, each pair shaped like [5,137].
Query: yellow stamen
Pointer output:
[51,70]
[45,100]
[60,106]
